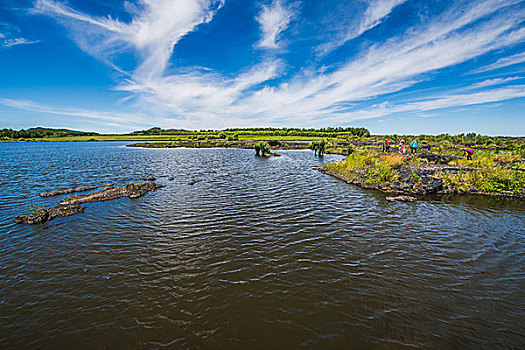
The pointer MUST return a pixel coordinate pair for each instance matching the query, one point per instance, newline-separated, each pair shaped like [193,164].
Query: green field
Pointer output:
[157,134]
[155,138]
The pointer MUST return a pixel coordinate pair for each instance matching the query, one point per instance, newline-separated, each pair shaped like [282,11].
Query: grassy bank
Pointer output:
[488,173]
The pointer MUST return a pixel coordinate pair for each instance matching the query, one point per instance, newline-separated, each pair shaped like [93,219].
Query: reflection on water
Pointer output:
[259,253]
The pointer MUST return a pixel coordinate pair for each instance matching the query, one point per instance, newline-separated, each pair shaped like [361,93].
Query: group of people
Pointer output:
[402,146]
[413,148]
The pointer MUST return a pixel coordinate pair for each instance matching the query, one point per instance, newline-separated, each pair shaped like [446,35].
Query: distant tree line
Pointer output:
[323,132]
[41,133]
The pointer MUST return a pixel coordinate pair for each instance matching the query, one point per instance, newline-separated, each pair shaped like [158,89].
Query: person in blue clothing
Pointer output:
[413,146]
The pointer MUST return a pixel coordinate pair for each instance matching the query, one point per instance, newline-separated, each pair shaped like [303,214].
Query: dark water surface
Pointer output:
[259,254]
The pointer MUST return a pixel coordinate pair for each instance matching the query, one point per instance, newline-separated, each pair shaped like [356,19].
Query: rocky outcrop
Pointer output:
[67,191]
[42,215]
[130,190]
[437,158]
[71,205]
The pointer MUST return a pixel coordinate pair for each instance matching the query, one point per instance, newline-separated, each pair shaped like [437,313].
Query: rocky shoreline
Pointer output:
[405,184]
[283,145]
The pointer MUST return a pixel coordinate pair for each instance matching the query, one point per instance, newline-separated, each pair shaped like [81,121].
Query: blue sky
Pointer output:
[393,66]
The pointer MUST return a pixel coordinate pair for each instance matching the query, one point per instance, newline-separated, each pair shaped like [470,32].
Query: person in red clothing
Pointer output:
[468,152]
[387,146]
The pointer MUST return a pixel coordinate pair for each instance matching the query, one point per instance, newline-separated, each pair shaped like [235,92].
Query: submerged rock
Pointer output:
[268,155]
[69,190]
[171,178]
[401,199]
[44,214]
[149,178]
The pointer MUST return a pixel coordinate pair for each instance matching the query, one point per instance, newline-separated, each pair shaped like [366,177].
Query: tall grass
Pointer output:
[369,166]
[493,173]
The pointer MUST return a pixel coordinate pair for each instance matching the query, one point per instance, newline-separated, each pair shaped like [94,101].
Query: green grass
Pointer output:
[493,174]
[36,210]
[368,165]
[496,180]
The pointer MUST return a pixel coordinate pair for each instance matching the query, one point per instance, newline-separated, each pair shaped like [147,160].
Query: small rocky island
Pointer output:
[71,205]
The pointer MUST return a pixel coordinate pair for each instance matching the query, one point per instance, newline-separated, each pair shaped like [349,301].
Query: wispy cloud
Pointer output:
[492,82]
[18,41]
[466,99]
[430,103]
[273,20]
[10,36]
[156,27]
[503,62]
[376,12]
[113,117]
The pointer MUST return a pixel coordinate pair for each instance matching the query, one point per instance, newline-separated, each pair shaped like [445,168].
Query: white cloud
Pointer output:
[18,41]
[10,36]
[468,99]
[115,118]
[431,103]
[273,20]
[503,62]
[492,82]
[156,27]
[374,15]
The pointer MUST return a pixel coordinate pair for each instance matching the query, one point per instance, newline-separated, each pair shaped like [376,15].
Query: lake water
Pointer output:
[258,254]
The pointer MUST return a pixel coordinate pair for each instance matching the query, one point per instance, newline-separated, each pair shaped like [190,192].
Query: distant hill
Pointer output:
[39,128]
[40,132]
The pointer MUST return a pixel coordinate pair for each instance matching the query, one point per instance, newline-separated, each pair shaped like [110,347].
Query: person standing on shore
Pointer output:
[402,147]
[413,146]
[468,152]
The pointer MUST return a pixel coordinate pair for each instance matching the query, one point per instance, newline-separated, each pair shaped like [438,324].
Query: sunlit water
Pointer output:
[258,254]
